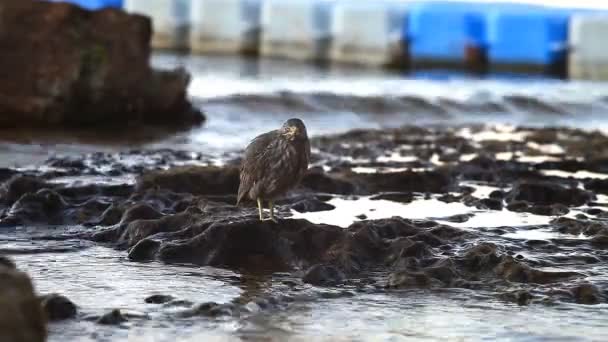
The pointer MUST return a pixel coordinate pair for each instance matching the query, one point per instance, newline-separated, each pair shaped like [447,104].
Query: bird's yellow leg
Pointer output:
[271,205]
[260,209]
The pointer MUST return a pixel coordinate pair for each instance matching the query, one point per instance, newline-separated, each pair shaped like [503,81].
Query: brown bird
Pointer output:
[274,163]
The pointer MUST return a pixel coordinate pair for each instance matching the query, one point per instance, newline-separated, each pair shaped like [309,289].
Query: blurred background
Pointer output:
[349,64]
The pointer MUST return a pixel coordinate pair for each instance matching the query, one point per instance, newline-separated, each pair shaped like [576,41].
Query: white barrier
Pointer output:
[588,49]
[295,29]
[170,21]
[368,33]
[225,26]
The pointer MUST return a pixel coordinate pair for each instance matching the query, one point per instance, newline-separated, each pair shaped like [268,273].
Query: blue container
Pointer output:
[527,37]
[94,4]
[441,31]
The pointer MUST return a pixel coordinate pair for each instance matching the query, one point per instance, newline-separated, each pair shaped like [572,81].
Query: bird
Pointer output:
[274,163]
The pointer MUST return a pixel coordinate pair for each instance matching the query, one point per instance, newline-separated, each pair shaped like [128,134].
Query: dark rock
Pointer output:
[461,218]
[361,217]
[21,316]
[405,181]
[597,185]
[319,181]
[159,299]
[520,297]
[58,307]
[114,317]
[198,180]
[587,294]
[210,309]
[408,279]
[481,258]
[548,210]
[402,197]
[144,250]
[92,69]
[497,194]
[600,241]
[546,193]
[489,203]
[19,185]
[250,244]
[516,271]
[323,275]
[140,211]
[311,205]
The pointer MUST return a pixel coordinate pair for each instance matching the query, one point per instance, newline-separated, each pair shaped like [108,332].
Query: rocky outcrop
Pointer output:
[65,66]
[21,318]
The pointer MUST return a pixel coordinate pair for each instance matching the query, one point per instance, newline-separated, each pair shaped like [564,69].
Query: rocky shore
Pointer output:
[178,207]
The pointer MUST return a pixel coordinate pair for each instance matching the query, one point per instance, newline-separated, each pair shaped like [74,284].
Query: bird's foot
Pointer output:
[273,219]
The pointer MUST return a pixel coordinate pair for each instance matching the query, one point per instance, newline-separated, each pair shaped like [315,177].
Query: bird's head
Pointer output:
[294,129]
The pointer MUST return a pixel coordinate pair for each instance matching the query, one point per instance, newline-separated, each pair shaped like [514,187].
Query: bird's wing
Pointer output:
[253,165]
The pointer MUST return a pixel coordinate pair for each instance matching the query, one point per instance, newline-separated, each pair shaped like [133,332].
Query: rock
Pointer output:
[72,67]
[408,279]
[600,241]
[198,180]
[516,271]
[58,307]
[402,197]
[547,193]
[311,205]
[19,185]
[587,294]
[319,181]
[159,299]
[144,250]
[405,181]
[520,297]
[481,258]
[323,275]
[114,317]
[21,318]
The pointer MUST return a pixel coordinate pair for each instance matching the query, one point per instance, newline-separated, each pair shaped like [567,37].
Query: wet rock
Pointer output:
[520,297]
[481,258]
[461,218]
[21,317]
[198,180]
[546,193]
[402,197]
[587,294]
[144,250]
[19,185]
[597,185]
[600,241]
[408,279]
[44,206]
[489,203]
[58,307]
[140,211]
[210,309]
[405,181]
[311,205]
[247,243]
[516,271]
[159,299]
[323,275]
[553,210]
[114,317]
[319,181]
[92,70]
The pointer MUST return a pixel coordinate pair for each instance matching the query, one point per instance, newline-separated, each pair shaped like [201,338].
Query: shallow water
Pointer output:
[99,279]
